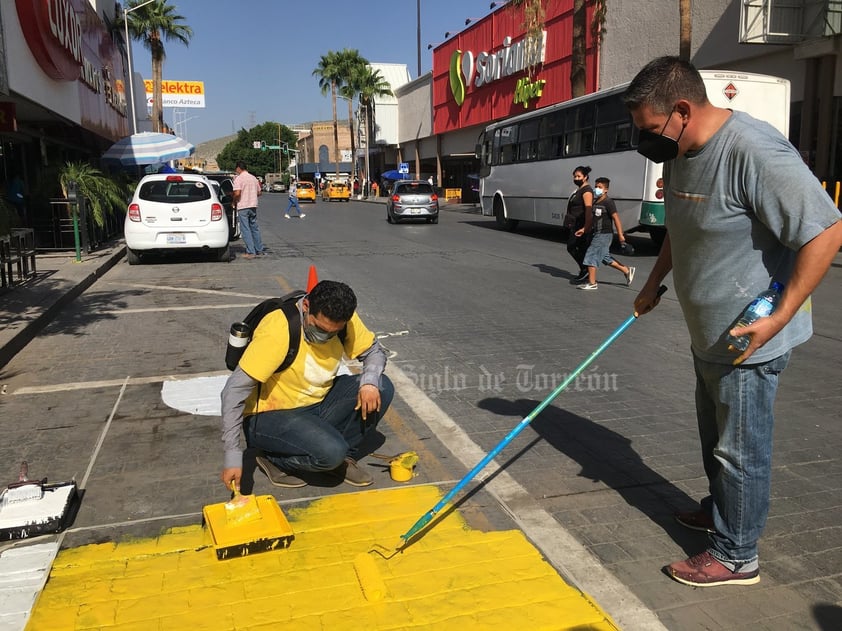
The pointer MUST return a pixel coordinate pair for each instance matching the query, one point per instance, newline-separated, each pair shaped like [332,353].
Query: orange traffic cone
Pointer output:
[312,278]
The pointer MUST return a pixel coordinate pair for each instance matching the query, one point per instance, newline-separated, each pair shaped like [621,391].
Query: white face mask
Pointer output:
[598,191]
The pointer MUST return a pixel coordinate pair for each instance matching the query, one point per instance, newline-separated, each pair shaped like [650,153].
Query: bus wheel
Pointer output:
[657,234]
[500,216]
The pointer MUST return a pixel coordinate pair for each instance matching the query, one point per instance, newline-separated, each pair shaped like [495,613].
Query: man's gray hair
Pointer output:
[662,82]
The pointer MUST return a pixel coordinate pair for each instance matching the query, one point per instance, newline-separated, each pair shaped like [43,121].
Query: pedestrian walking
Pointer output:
[293,200]
[600,224]
[578,207]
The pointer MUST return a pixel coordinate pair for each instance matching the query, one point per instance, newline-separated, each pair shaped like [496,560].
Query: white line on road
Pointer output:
[248,305]
[576,564]
[113,383]
[194,290]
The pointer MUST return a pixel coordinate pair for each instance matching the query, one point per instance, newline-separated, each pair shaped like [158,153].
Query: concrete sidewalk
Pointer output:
[27,308]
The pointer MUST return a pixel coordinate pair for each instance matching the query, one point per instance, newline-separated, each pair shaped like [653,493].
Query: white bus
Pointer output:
[527,161]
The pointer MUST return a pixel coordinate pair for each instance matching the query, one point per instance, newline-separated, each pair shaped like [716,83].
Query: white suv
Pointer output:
[175,211]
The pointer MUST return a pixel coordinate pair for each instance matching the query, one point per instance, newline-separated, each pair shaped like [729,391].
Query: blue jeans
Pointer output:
[734,409]
[317,437]
[249,230]
[293,201]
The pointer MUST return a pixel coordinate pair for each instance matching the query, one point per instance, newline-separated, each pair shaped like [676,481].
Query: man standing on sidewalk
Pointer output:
[742,210]
[246,192]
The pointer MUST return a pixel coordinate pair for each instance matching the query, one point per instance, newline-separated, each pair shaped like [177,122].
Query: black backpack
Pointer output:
[289,305]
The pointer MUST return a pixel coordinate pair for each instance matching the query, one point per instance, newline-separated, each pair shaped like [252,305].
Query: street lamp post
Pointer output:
[129,54]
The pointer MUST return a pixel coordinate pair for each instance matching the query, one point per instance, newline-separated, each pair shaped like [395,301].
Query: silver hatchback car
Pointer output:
[412,199]
[176,212]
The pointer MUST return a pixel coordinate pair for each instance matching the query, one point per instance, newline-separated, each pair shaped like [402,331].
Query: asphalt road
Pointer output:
[483,324]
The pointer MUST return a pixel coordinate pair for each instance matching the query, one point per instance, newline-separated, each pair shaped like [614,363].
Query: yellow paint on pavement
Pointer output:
[452,577]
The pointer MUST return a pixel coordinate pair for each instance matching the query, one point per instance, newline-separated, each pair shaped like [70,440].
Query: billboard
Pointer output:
[178,93]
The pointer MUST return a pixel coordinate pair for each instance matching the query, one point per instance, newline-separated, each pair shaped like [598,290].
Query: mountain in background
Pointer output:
[206,152]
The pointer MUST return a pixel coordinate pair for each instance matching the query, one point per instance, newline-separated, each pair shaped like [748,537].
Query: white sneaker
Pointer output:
[630,275]
[588,286]
[302,215]
[286,216]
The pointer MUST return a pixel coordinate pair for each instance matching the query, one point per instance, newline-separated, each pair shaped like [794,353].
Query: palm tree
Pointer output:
[685,30]
[152,24]
[577,67]
[370,84]
[104,195]
[353,66]
[329,72]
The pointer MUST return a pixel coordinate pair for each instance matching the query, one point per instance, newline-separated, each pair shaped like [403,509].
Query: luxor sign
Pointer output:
[53,30]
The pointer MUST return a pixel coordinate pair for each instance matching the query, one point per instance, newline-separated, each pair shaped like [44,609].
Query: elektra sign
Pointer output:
[512,58]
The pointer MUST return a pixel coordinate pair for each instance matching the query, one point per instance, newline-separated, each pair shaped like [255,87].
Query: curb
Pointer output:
[34,327]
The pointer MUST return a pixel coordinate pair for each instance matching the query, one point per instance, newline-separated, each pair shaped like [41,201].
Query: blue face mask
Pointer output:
[598,191]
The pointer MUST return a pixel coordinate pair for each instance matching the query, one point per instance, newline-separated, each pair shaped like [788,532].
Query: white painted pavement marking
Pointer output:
[24,571]
[113,383]
[573,560]
[248,305]
[193,290]
[200,396]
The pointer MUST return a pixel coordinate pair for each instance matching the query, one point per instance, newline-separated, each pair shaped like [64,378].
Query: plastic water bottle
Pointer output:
[760,307]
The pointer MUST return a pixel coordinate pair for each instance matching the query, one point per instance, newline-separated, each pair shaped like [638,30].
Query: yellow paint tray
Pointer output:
[270,532]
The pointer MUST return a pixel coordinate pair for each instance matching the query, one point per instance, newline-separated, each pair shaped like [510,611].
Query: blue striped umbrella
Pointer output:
[148,148]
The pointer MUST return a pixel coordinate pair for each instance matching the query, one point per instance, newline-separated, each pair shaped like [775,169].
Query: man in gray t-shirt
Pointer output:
[742,209]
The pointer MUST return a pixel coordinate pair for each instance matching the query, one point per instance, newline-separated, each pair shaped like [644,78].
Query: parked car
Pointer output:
[176,212]
[225,181]
[336,190]
[306,190]
[412,199]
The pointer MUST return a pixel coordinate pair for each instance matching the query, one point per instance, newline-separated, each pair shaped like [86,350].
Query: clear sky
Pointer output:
[256,57]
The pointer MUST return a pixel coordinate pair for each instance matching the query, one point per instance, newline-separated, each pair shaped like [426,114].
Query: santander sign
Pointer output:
[53,31]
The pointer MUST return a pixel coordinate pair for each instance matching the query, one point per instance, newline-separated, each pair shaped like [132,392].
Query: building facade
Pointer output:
[62,95]
[488,71]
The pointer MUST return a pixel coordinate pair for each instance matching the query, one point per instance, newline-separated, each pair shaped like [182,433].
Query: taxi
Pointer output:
[306,190]
[337,190]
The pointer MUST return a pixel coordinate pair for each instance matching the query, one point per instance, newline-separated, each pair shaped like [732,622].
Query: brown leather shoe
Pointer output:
[704,570]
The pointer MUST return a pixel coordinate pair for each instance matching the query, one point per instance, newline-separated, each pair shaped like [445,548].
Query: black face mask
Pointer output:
[657,147]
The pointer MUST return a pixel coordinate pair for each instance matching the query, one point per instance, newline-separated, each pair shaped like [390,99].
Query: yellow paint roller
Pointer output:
[372,585]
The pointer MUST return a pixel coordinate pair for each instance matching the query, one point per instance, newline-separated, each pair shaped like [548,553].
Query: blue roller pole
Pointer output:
[428,516]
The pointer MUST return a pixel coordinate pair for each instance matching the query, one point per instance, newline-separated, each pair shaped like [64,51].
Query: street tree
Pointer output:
[258,161]
[151,24]
[353,66]
[369,85]
[685,29]
[329,72]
